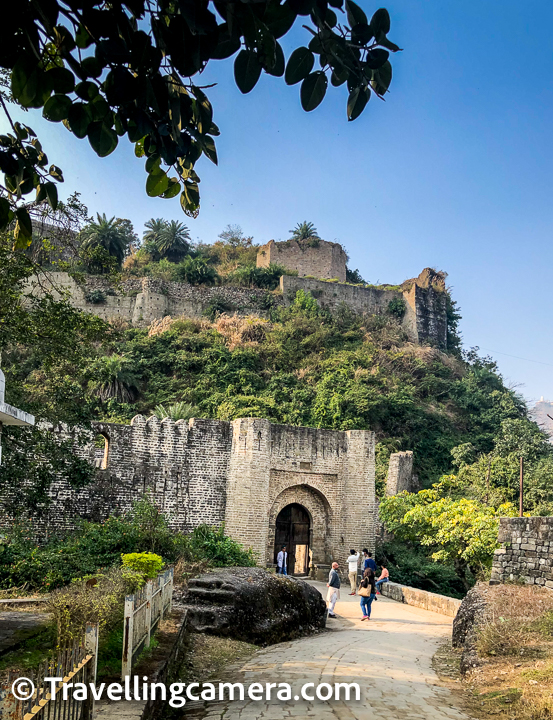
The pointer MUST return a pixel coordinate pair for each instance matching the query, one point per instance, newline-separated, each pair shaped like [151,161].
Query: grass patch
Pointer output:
[209,656]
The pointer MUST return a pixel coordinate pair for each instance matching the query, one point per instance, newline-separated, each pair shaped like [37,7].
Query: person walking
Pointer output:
[282,561]
[333,585]
[353,562]
[367,592]
[369,562]
[384,578]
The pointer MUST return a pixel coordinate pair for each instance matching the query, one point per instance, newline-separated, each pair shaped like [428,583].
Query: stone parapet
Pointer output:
[527,552]
[421,598]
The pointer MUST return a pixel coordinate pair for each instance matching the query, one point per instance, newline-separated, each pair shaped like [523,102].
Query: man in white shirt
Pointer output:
[282,561]
[353,562]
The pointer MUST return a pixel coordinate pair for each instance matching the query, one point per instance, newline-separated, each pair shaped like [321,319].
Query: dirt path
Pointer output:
[390,657]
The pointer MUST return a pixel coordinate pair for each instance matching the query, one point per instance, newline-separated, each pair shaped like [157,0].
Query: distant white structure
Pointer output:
[10,415]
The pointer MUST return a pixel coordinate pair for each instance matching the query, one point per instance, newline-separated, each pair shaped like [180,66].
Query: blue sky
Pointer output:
[453,171]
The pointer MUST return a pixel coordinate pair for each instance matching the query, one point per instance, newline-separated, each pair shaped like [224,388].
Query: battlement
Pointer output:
[318,258]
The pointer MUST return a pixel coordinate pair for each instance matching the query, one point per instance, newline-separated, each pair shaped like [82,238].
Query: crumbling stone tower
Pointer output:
[321,259]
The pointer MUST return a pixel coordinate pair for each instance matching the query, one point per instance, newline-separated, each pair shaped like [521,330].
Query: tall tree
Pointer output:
[304,231]
[110,69]
[174,243]
[113,236]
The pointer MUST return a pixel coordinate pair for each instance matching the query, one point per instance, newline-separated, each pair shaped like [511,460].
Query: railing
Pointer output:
[143,612]
[45,700]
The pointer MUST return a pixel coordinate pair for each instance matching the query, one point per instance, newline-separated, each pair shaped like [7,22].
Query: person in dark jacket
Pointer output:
[333,586]
[366,602]
[369,562]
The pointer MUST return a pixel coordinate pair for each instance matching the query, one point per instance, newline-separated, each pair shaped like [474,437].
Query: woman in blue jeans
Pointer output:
[368,584]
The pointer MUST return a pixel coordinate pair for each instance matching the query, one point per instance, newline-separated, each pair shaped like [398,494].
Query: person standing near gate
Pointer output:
[333,585]
[282,560]
[367,593]
[353,562]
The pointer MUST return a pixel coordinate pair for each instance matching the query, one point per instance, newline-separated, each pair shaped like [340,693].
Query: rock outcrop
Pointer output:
[253,605]
[465,625]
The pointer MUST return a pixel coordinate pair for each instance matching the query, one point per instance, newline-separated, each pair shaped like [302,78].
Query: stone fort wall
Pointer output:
[527,552]
[140,301]
[323,260]
[241,472]
[400,473]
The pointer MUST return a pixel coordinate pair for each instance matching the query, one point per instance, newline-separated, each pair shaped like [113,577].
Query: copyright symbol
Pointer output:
[23,688]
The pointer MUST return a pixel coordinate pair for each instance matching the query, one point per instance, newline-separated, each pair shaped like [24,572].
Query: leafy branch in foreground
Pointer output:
[114,69]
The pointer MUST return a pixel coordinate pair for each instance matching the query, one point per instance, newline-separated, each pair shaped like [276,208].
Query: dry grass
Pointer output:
[158,327]
[211,657]
[516,640]
[242,331]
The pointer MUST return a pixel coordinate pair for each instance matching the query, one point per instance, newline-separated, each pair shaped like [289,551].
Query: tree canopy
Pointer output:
[110,70]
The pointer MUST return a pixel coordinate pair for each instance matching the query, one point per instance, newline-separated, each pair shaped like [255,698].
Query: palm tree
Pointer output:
[176,411]
[304,231]
[174,243]
[111,236]
[152,236]
[113,377]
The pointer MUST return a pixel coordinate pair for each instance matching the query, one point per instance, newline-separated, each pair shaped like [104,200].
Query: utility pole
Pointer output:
[521,492]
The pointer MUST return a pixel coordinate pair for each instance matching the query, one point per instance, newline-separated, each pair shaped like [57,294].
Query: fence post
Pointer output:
[126,664]
[149,585]
[171,584]
[161,586]
[91,648]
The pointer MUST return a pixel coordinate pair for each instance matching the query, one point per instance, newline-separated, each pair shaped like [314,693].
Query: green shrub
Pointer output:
[267,278]
[146,563]
[218,549]
[397,308]
[196,271]
[95,296]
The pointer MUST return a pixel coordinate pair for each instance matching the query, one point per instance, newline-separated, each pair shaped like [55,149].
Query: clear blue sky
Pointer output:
[453,171]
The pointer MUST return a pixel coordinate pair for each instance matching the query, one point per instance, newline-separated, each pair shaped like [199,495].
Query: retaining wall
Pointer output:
[527,552]
[421,598]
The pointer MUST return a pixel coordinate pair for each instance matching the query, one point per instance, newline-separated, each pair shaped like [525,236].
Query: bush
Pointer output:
[218,549]
[196,271]
[267,278]
[97,297]
[146,563]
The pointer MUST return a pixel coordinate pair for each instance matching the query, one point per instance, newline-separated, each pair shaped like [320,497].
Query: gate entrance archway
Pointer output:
[293,529]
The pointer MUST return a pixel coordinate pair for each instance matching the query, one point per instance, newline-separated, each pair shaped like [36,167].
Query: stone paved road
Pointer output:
[389,656]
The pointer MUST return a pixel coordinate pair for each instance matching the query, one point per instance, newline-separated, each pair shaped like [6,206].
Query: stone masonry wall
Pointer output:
[242,472]
[141,300]
[425,319]
[325,260]
[527,551]
[400,473]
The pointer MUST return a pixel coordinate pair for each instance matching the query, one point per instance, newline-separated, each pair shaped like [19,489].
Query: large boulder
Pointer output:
[465,626]
[253,605]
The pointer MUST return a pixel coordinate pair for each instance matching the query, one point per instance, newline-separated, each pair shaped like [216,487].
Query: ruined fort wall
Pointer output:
[527,552]
[425,319]
[400,473]
[324,260]
[141,300]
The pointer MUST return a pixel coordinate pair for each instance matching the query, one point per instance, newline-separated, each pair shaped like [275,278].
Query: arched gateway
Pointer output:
[293,529]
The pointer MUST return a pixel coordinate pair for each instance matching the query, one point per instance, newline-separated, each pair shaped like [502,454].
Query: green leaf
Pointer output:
[82,38]
[86,90]
[6,213]
[278,68]
[91,67]
[226,44]
[355,14]
[380,22]
[382,78]
[57,108]
[313,90]
[247,70]
[139,148]
[173,190]
[157,184]
[62,80]
[24,80]
[79,118]
[300,63]
[102,138]
[56,173]
[153,164]
[357,101]
[209,149]
[383,40]
[190,197]
[23,231]
[376,58]
[339,76]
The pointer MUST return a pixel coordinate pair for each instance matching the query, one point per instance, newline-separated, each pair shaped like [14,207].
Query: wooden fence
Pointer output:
[76,664]
[143,612]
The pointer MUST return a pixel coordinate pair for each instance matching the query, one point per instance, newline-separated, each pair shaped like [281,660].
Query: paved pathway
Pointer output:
[389,656]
